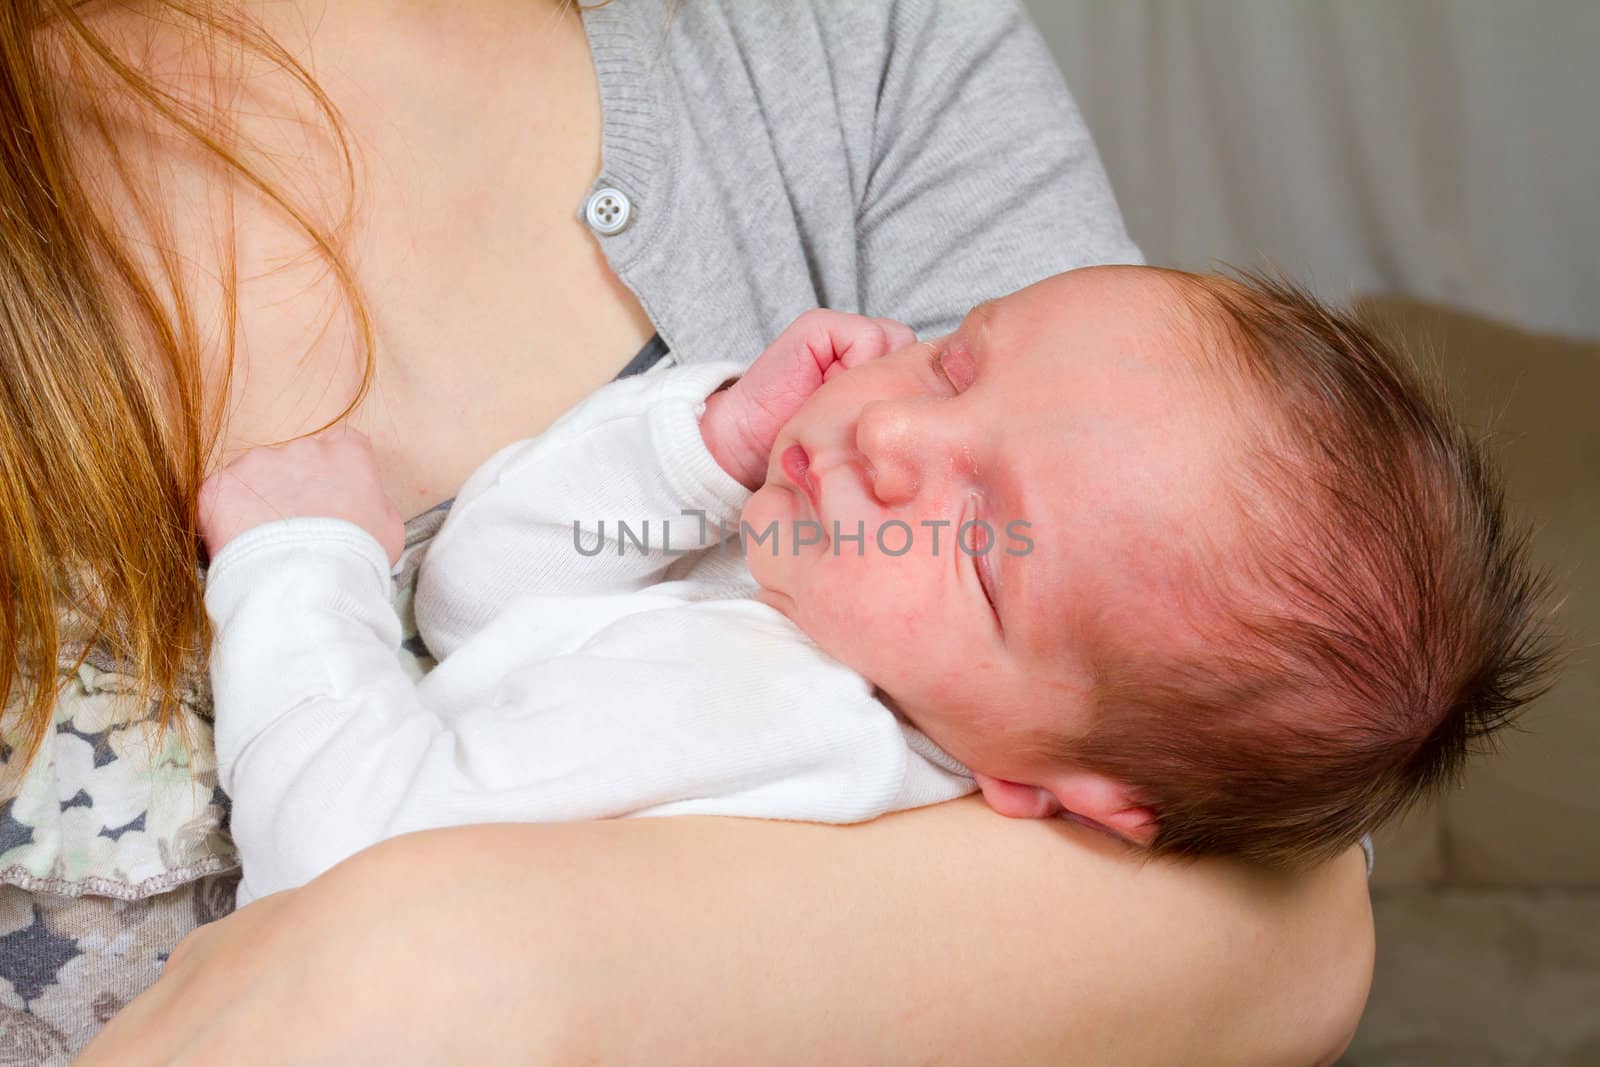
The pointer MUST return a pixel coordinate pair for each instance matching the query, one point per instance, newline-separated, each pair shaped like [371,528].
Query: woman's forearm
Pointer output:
[942,934]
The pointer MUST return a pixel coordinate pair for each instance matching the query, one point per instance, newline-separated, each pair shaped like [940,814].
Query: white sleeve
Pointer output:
[614,493]
[310,696]
[656,703]
[635,704]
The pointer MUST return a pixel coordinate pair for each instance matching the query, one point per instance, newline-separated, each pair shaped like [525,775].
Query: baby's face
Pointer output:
[1074,412]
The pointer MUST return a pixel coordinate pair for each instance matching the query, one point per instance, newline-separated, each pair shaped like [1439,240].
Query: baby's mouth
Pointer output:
[796,463]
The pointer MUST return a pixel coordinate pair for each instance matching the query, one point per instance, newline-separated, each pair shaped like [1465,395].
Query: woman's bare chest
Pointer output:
[491,306]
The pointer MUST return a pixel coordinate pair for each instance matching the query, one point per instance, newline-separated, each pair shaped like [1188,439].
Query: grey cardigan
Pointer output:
[908,158]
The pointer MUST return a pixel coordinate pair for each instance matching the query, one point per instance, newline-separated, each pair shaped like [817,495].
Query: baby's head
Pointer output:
[1229,582]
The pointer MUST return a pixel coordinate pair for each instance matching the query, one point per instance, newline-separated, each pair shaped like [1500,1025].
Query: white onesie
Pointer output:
[579,677]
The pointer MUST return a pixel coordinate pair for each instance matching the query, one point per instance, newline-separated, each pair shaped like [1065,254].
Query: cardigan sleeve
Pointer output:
[983,177]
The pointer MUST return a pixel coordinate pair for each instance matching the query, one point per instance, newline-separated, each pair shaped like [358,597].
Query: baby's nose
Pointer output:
[890,438]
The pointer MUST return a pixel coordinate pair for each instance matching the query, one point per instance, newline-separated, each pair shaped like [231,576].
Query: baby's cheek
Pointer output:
[855,621]
[759,511]
[914,652]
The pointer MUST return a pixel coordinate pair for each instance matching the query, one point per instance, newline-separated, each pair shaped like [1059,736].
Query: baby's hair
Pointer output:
[1377,618]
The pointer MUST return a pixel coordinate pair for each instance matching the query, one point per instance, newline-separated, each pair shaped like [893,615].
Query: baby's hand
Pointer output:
[742,422]
[332,475]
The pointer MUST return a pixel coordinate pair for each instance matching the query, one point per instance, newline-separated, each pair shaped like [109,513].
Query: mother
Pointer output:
[540,192]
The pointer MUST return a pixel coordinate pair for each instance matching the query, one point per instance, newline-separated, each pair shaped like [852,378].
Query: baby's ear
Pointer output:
[1015,800]
[1087,798]
[1104,803]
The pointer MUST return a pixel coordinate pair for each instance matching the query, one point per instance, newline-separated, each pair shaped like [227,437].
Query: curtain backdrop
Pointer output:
[1447,149]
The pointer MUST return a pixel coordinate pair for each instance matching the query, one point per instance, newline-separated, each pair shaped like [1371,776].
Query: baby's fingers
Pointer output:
[899,335]
[874,339]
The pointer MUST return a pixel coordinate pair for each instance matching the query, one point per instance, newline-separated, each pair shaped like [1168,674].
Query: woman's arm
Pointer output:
[944,934]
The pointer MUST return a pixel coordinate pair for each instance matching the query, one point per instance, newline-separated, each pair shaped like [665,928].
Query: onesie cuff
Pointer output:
[289,543]
[695,476]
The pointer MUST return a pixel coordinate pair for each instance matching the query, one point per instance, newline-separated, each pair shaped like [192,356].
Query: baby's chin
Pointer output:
[779,602]
[773,569]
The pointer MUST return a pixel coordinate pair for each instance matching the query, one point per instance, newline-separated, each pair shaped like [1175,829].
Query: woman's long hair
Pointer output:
[107,421]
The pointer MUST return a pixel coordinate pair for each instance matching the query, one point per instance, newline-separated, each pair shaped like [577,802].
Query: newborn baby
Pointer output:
[1189,559]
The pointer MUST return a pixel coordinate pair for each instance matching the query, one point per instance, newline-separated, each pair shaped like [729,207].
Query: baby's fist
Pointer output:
[332,475]
[741,423]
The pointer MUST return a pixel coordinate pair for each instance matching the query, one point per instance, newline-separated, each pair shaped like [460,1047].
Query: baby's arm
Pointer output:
[605,501]
[640,474]
[659,707]
[313,710]
[314,713]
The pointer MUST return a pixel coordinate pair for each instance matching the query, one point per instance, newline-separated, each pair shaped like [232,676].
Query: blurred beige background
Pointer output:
[1437,162]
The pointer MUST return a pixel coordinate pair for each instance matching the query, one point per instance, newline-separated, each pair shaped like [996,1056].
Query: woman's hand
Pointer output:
[333,475]
[741,423]
[941,934]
